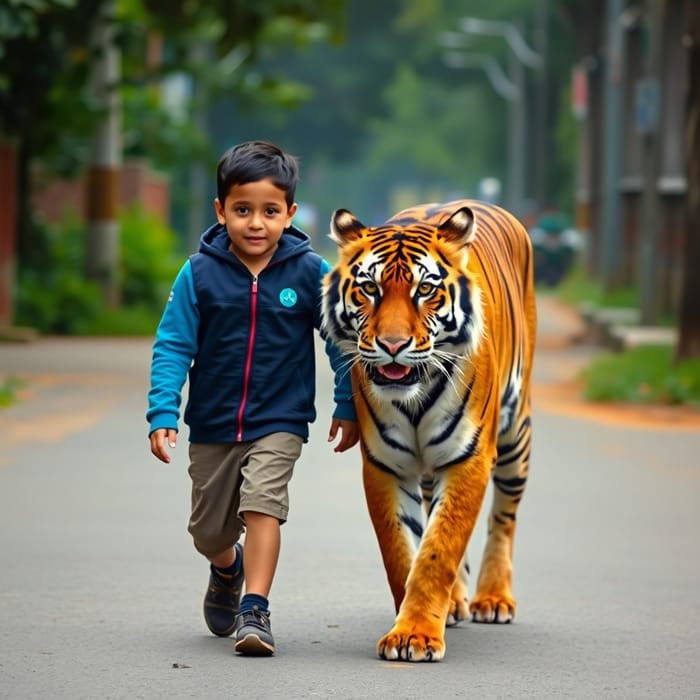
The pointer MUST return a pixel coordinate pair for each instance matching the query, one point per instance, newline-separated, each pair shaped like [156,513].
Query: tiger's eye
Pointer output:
[370,288]
[425,288]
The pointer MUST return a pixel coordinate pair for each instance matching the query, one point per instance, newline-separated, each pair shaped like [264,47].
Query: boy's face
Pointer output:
[254,214]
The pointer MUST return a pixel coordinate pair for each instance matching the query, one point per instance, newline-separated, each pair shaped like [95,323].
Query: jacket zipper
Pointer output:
[249,356]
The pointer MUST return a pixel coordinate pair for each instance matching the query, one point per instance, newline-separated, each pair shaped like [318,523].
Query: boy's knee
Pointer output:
[262,511]
[211,544]
[253,518]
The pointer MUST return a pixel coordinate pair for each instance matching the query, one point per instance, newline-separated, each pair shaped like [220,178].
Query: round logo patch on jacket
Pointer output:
[288,297]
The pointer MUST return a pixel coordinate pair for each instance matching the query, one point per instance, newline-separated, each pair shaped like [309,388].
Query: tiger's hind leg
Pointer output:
[493,601]
[459,608]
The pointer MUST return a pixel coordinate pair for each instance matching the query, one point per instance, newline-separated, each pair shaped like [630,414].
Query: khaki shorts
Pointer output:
[228,480]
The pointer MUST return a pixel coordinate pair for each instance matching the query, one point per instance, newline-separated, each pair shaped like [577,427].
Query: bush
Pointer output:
[8,390]
[54,297]
[643,375]
[148,259]
[577,287]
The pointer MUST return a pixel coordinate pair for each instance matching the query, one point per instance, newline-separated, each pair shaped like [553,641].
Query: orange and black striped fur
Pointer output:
[437,309]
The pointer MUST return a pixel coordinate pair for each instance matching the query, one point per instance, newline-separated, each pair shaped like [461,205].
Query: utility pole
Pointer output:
[612,148]
[102,249]
[516,143]
[648,101]
[541,121]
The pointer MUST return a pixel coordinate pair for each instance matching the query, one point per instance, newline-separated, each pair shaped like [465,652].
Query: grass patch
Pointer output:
[8,390]
[643,375]
[576,288]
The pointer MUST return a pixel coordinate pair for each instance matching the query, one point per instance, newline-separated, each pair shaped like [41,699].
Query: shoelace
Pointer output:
[255,617]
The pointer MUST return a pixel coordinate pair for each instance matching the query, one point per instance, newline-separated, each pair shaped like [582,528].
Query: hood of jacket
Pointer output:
[215,241]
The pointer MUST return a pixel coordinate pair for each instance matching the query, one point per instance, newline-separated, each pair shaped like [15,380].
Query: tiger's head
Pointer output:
[401,302]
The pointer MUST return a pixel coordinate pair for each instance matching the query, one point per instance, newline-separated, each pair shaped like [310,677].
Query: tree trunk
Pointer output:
[689,319]
[8,223]
[102,249]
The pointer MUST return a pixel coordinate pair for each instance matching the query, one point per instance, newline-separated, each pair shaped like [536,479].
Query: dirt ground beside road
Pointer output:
[561,337]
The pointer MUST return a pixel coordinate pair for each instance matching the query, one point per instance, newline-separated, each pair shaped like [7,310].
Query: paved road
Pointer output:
[100,589]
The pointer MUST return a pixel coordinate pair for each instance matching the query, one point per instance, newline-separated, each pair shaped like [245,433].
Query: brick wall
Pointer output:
[138,183]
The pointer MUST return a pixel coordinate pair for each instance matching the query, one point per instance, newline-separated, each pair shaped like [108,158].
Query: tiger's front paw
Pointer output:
[410,643]
[492,608]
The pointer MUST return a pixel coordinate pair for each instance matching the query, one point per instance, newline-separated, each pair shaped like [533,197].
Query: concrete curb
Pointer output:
[618,328]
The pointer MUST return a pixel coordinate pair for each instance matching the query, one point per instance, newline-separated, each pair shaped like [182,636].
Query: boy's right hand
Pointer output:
[158,440]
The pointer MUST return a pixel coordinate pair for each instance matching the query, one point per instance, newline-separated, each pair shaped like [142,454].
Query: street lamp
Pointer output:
[491,67]
[511,88]
[488,27]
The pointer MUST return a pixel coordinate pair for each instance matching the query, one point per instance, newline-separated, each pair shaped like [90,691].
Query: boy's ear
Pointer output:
[291,212]
[219,209]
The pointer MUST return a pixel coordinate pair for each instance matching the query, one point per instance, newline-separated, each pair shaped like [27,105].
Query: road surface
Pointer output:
[101,590]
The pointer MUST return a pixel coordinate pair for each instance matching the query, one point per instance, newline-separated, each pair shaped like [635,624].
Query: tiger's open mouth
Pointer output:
[393,373]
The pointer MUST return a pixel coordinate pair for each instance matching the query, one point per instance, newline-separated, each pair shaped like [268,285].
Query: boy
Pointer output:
[240,320]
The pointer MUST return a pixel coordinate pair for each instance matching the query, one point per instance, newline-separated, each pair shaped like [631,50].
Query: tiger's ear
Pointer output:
[460,227]
[345,227]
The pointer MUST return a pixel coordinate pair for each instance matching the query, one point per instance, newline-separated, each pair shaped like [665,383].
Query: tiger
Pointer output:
[435,312]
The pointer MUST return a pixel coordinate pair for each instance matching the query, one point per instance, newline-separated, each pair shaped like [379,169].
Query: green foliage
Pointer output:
[8,390]
[46,52]
[55,298]
[149,260]
[396,107]
[455,117]
[21,17]
[577,288]
[43,75]
[560,174]
[643,375]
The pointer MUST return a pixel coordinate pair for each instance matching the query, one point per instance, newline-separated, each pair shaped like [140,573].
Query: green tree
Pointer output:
[46,109]
[385,97]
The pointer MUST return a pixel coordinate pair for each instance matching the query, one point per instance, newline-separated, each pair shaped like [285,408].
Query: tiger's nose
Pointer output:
[392,345]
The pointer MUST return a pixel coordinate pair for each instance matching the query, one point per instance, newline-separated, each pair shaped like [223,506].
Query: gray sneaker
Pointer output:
[253,633]
[222,600]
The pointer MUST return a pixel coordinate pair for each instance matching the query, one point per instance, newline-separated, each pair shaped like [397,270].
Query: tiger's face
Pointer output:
[400,300]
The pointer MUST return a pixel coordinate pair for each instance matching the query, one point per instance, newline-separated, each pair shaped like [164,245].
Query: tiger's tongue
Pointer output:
[394,371]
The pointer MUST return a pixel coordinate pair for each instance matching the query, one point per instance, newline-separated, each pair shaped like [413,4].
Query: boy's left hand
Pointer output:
[350,434]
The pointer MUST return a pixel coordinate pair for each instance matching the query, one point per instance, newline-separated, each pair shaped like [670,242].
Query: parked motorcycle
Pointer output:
[556,246]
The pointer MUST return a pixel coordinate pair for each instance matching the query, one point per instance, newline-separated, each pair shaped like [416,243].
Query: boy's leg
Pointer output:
[215,527]
[225,560]
[261,551]
[264,505]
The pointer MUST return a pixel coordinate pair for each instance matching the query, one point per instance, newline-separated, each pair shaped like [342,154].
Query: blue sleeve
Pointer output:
[174,348]
[341,364]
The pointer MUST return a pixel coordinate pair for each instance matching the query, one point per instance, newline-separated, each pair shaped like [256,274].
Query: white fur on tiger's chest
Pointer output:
[413,447]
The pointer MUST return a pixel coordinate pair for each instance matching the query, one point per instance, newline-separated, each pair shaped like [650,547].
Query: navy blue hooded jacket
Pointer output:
[247,343]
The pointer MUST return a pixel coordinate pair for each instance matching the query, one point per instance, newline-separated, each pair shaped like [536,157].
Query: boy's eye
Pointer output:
[242,211]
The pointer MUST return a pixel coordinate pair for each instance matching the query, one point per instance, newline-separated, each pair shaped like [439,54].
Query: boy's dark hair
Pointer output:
[256,160]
